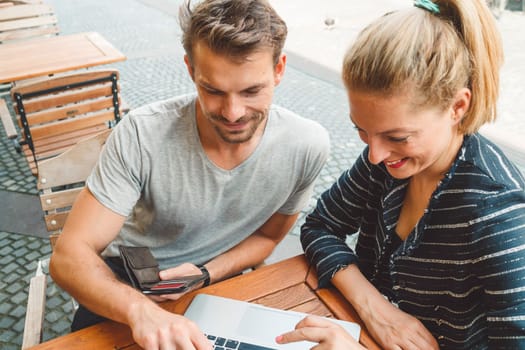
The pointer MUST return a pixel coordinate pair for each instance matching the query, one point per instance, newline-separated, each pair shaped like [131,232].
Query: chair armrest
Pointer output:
[36,303]
[7,121]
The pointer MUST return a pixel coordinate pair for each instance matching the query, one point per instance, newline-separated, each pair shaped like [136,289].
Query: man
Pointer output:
[213,180]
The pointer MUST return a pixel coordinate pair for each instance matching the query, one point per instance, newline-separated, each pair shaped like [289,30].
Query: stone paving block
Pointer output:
[18,327]
[19,243]
[9,268]
[34,245]
[20,299]
[6,337]
[4,253]
[7,322]
[5,308]
[11,346]
[19,311]
[55,301]
[33,257]
[61,326]
[11,278]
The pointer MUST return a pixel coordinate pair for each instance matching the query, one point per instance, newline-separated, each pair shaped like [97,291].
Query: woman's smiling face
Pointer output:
[408,141]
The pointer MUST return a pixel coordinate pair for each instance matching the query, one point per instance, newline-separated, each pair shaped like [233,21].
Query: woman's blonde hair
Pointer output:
[431,56]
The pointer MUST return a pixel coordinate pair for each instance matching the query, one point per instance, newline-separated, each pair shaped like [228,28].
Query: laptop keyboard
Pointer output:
[229,344]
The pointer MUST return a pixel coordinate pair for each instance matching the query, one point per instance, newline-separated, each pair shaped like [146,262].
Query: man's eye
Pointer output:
[251,92]
[212,91]
[398,139]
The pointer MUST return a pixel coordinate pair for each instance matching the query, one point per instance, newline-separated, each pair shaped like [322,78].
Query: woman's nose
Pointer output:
[377,151]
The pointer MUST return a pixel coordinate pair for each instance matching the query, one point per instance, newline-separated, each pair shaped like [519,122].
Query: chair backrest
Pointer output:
[55,113]
[61,178]
[26,21]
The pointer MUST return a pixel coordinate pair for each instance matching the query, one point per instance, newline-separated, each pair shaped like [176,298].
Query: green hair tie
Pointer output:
[427,5]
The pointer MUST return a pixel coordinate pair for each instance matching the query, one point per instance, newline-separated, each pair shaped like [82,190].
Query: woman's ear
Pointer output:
[461,104]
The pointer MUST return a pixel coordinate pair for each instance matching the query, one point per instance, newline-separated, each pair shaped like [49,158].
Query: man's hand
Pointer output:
[329,335]
[185,269]
[154,328]
[394,329]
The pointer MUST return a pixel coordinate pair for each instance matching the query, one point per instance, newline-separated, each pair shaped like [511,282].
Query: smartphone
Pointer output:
[176,285]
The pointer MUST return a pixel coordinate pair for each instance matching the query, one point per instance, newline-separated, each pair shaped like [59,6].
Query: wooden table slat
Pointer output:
[292,296]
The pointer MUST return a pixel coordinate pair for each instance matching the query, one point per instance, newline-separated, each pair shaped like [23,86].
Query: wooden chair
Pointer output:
[26,21]
[21,2]
[60,179]
[55,113]
[23,20]
[6,3]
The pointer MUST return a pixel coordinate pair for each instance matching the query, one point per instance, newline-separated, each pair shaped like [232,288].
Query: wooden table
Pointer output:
[285,285]
[32,58]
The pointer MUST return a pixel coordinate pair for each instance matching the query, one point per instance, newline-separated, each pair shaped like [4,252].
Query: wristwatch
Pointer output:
[206,273]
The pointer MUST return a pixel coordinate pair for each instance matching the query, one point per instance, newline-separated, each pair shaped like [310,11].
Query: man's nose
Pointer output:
[233,108]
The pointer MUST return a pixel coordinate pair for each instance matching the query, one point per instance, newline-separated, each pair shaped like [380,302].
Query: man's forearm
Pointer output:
[250,252]
[92,283]
[254,249]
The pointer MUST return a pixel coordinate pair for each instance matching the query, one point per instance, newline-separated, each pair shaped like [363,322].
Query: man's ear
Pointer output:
[461,104]
[279,69]
[189,66]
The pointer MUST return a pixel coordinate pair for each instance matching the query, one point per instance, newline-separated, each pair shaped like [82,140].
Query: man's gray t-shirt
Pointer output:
[154,171]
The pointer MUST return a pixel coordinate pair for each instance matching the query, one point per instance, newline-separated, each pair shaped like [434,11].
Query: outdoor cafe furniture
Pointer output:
[60,179]
[26,21]
[55,113]
[289,284]
[51,55]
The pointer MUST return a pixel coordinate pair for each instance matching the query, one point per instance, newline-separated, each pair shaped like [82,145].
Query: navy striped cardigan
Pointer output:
[461,271]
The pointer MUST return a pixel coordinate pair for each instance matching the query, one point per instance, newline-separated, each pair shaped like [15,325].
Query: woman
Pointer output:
[439,209]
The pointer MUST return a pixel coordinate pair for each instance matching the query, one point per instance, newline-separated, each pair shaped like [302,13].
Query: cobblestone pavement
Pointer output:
[154,70]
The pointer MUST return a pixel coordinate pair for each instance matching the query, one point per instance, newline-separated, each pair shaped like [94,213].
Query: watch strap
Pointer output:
[206,273]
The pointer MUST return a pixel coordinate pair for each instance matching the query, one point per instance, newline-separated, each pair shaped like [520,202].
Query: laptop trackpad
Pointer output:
[260,323]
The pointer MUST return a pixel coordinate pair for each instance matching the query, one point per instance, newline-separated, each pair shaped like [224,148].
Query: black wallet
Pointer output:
[143,272]
[140,265]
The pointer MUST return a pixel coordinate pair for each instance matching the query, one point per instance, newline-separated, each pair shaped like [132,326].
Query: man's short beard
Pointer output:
[257,119]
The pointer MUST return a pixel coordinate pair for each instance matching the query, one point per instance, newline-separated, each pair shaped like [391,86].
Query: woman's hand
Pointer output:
[329,335]
[394,329]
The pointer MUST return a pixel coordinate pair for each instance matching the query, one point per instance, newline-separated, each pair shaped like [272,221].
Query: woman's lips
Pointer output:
[395,164]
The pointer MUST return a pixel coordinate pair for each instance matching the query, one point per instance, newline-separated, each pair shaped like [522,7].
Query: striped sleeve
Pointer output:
[338,214]
[501,268]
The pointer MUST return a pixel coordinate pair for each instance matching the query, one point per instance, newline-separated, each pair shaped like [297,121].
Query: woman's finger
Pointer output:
[313,334]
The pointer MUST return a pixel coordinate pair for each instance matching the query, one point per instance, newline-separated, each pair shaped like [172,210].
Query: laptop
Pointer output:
[234,324]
